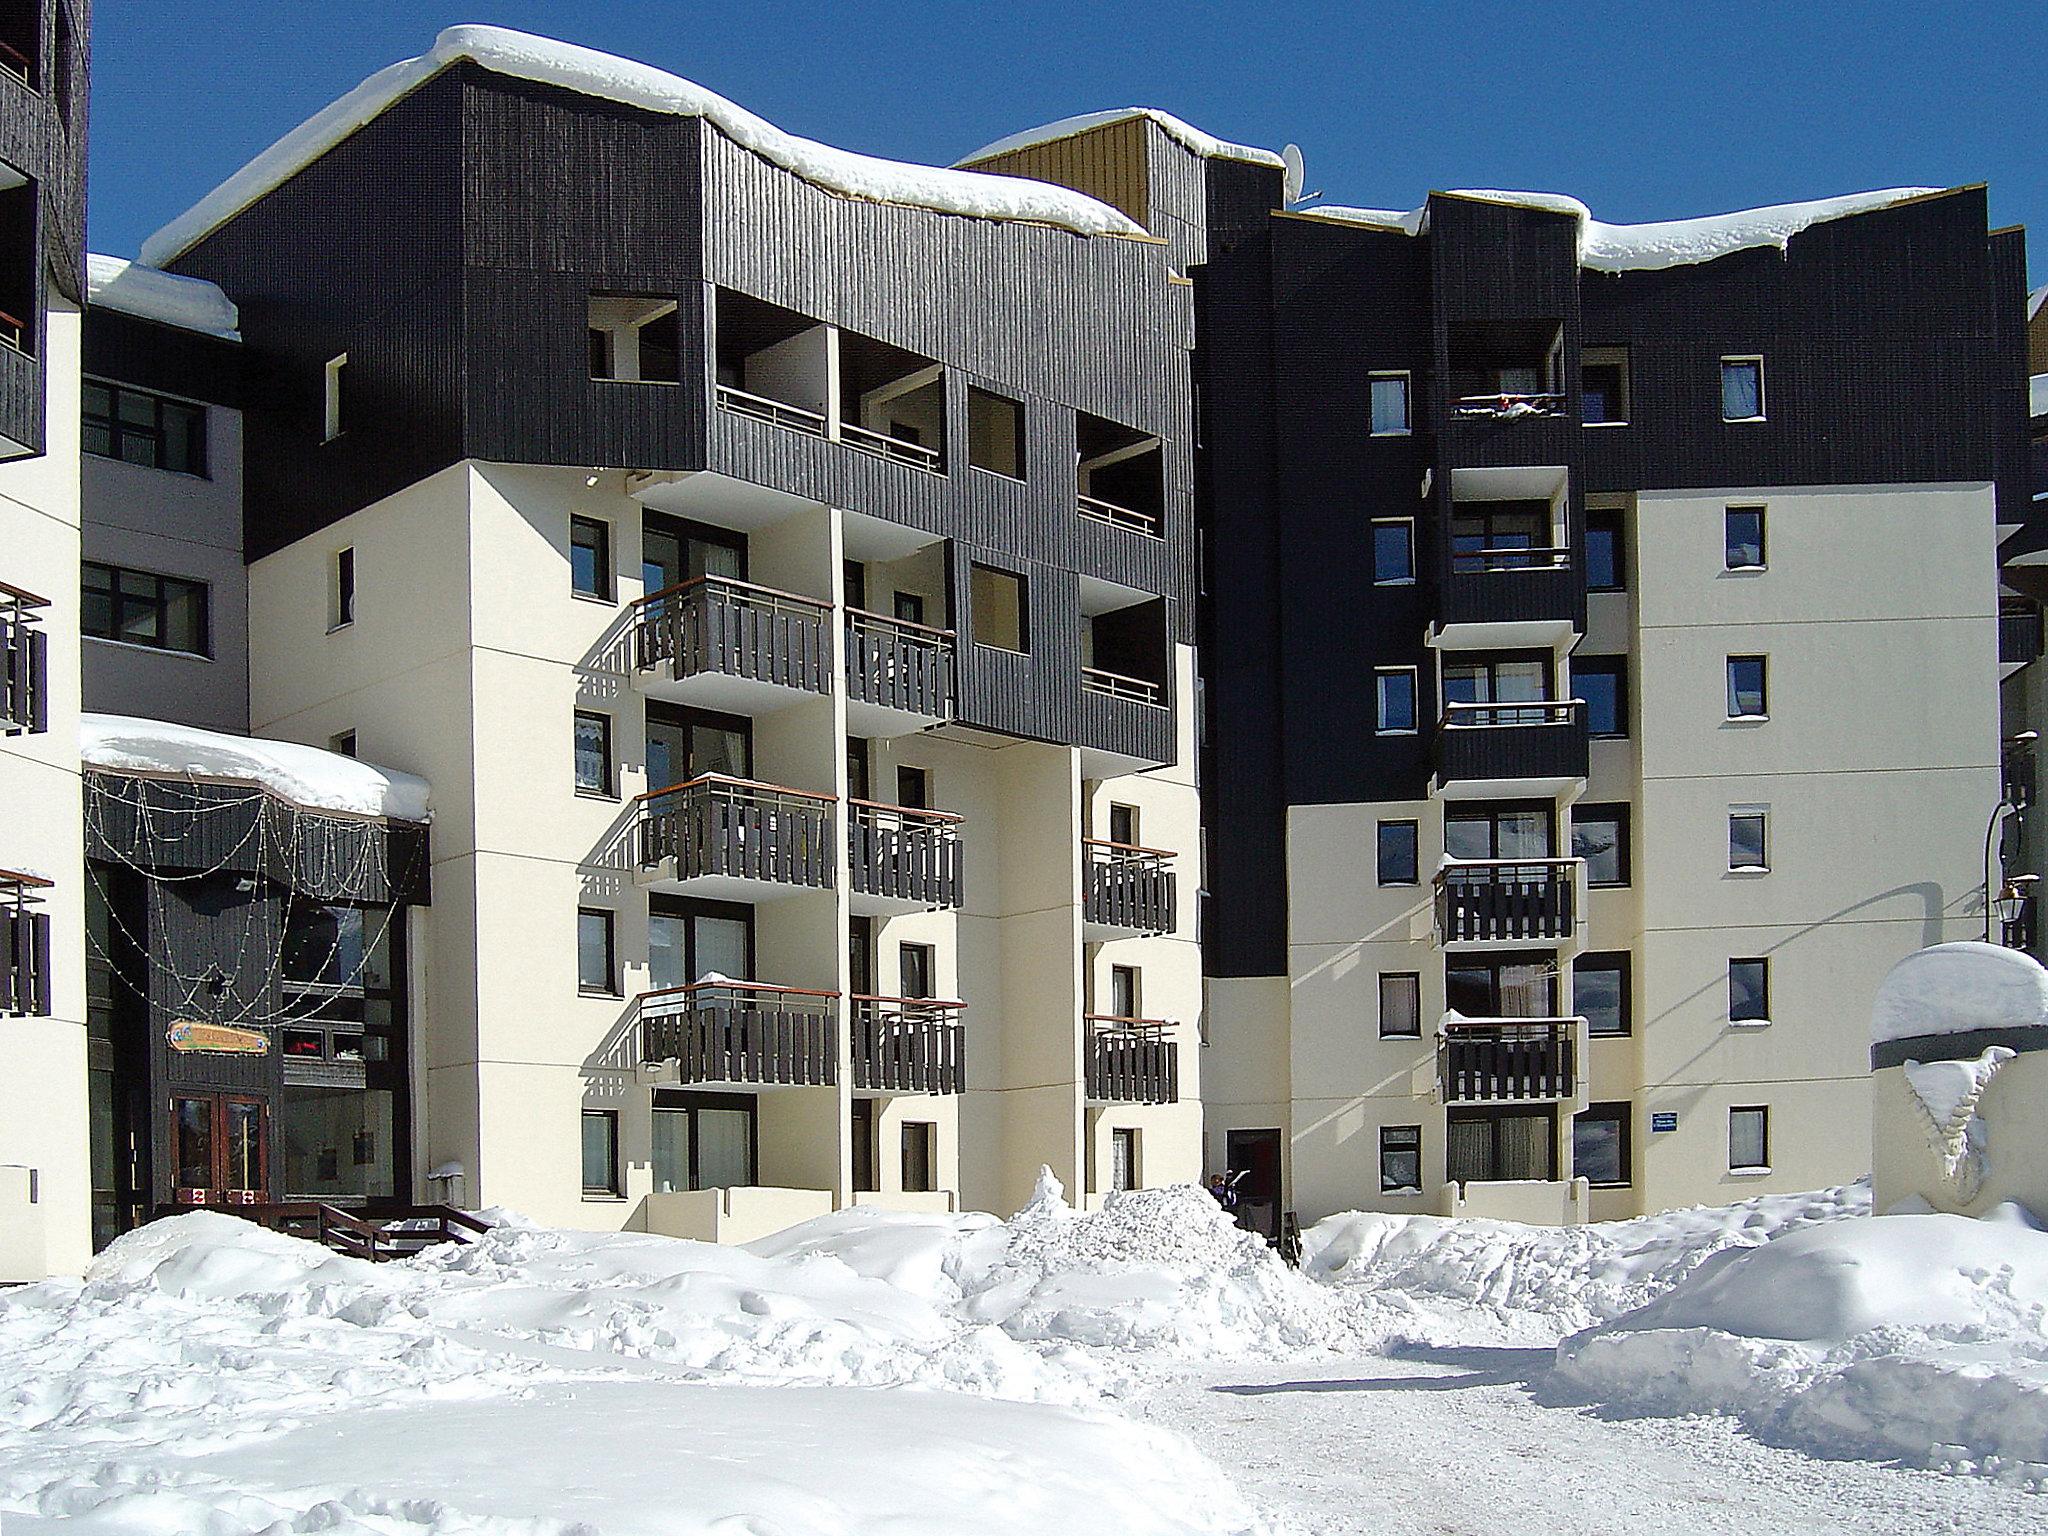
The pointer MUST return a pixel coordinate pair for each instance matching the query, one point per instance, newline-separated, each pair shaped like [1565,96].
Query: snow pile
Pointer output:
[1653,246]
[1917,1337]
[1468,1279]
[306,776]
[189,303]
[1185,134]
[1957,989]
[589,72]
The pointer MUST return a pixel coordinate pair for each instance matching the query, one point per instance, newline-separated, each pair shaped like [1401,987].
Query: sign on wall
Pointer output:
[195,1037]
[1663,1120]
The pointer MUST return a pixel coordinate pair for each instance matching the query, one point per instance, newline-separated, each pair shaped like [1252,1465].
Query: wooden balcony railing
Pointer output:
[24,946]
[1538,740]
[722,826]
[1132,1061]
[24,663]
[908,1045]
[895,664]
[1120,517]
[724,1031]
[719,624]
[1511,407]
[1117,686]
[895,449]
[904,853]
[778,413]
[1125,886]
[1492,1061]
[1506,899]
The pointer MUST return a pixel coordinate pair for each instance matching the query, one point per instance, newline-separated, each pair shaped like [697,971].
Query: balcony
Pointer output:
[1116,685]
[24,662]
[745,1034]
[1126,890]
[24,946]
[1506,901]
[1510,406]
[908,1045]
[731,645]
[1132,1061]
[1120,475]
[1508,1061]
[1509,596]
[1489,751]
[1118,517]
[903,859]
[777,413]
[735,840]
[2019,636]
[899,675]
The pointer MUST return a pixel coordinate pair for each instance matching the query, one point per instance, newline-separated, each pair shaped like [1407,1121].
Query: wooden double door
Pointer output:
[220,1148]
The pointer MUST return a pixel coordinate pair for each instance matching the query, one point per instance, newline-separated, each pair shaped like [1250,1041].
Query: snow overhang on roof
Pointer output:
[189,303]
[1182,133]
[309,777]
[1651,247]
[524,56]
[2034,301]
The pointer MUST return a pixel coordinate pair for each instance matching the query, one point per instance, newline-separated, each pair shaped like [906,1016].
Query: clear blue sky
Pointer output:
[1646,111]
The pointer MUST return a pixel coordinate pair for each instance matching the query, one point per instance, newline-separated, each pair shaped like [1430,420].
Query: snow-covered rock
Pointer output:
[307,776]
[1208,146]
[189,303]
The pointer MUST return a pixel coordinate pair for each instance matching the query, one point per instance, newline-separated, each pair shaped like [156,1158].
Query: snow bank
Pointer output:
[306,776]
[1954,989]
[189,303]
[1654,246]
[1183,133]
[1917,1337]
[524,56]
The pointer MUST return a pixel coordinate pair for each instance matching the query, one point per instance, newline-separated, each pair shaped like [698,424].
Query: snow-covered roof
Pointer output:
[307,776]
[1183,133]
[1648,247]
[2034,300]
[189,303]
[630,83]
[1958,989]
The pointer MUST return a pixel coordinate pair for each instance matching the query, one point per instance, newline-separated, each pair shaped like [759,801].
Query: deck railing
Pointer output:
[895,664]
[24,662]
[1117,516]
[1535,740]
[14,332]
[1126,886]
[1511,407]
[1118,686]
[721,826]
[1510,557]
[24,946]
[724,625]
[904,852]
[1492,1061]
[895,449]
[1132,1061]
[1502,899]
[778,413]
[908,1045]
[724,1031]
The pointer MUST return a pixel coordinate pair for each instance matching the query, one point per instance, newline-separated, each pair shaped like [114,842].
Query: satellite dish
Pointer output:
[1290,157]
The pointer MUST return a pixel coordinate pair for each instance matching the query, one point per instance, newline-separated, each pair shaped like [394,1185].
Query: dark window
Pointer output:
[1600,837]
[344,595]
[1746,840]
[1393,553]
[1123,824]
[1747,699]
[635,338]
[1395,688]
[684,744]
[142,608]
[1749,1137]
[914,970]
[1500,1144]
[1602,681]
[1742,389]
[1749,991]
[1400,1159]
[1399,858]
[920,1156]
[600,1152]
[864,1145]
[1606,554]
[860,954]
[325,945]
[1603,386]
[1744,538]
[856,585]
[1600,992]
[1600,1145]
[593,753]
[137,427]
[913,788]
[1507,679]
[1509,832]
[909,607]
[590,557]
[1123,1159]
[1400,1005]
[859,756]
[1001,614]
[594,969]
[1501,986]
[335,398]
[342,742]
[1126,998]
[995,433]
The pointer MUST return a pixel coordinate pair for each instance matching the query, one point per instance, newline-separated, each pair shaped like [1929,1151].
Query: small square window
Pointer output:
[1746,840]
[1749,991]
[1606,565]
[1602,681]
[600,1152]
[1390,413]
[1600,1145]
[1001,612]
[590,557]
[1749,1139]
[1399,853]
[1395,688]
[1600,837]
[1603,386]
[341,598]
[1742,389]
[995,433]
[595,971]
[593,753]
[635,338]
[1600,993]
[1400,1005]
[1393,552]
[1743,539]
[1747,698]
[1400,1159]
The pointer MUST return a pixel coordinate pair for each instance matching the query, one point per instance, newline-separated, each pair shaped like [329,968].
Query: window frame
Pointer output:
[1406,376]
[1622,963]
[1616,811]
[1390,1135]
[1755,359]
[608,788]
[118,428]
[611,1189]
[1763,1114]
[158,600]
[611,953]
[1380,677]
[1413,979]
[1621,1112]
[607,566]
[1414,830]
[1406,525]
[1763,550]
[1604,357]
[1761,815]
[341,593]
[1615,667]
[1603,517]
[1762,1016]
[1763,686]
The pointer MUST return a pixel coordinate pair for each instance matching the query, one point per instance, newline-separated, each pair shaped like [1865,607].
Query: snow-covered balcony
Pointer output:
[1509,1061]
[1126,890]
[1132,1061]
[1506,901]
[902,858]
[731,645]
[908,1045]
[734,839]
[739,1034]
[1496,751]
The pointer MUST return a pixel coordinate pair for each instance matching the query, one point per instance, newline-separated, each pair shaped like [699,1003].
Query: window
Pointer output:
[142,608]
[1743,540]
[1499,680]
[1742,389]
[1123,824]
[920,1156]
[1603,386]
[341,593]
[1393,552]
[1600,1145]
[1606,557]
[995,433]
[1396,690]
[600,1152]
[342,742]
[1602,681]
[1390,405]
[1746,839]
[908,606]
[1501,986]
[688,941]
[1126,995]
[1749,991]
[1600,837]
[635,339]
[1749,1139]
[332,400]
[913,788]
[137,427]
[1123,1159]
[1510,832]
[595,971]
[1600,993]
[590,557]
[1400,1005]
[1486,1145]
[1398,856]
[1400,1159]
[1747,699]
[998,602]
[864,1145]
[914,970]
[593,753]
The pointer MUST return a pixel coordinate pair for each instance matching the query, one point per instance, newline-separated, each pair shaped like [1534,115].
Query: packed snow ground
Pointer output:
[1146,1369]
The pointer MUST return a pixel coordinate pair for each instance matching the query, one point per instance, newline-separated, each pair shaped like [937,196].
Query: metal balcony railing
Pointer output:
[1125,886]
[895,449]
[721,826]
[908,1045]
[720,624]
[895,664]
[1132,1061]
[1510,557]
[904,853]
[1480,900]
[24,662]
[1538,740]
[1118,516]
[1116,685]
[1496,1061]
[778,413]
[724,1031]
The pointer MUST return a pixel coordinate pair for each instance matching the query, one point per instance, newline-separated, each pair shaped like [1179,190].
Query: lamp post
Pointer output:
[2005,897]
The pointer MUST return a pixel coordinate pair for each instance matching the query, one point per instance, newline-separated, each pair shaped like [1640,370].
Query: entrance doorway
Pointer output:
[1254,1158]
[220,1149]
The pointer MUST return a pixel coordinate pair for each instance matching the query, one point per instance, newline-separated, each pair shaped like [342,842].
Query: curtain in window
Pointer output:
[1468,1150]
[725,1155]
[1525,991]
[1525,1147]
[671,1157]
[1742,393]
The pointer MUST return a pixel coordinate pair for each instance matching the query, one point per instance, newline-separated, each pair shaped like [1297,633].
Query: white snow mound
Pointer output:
[1960,988]
[1186,134]
[307,776]
[189,303]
